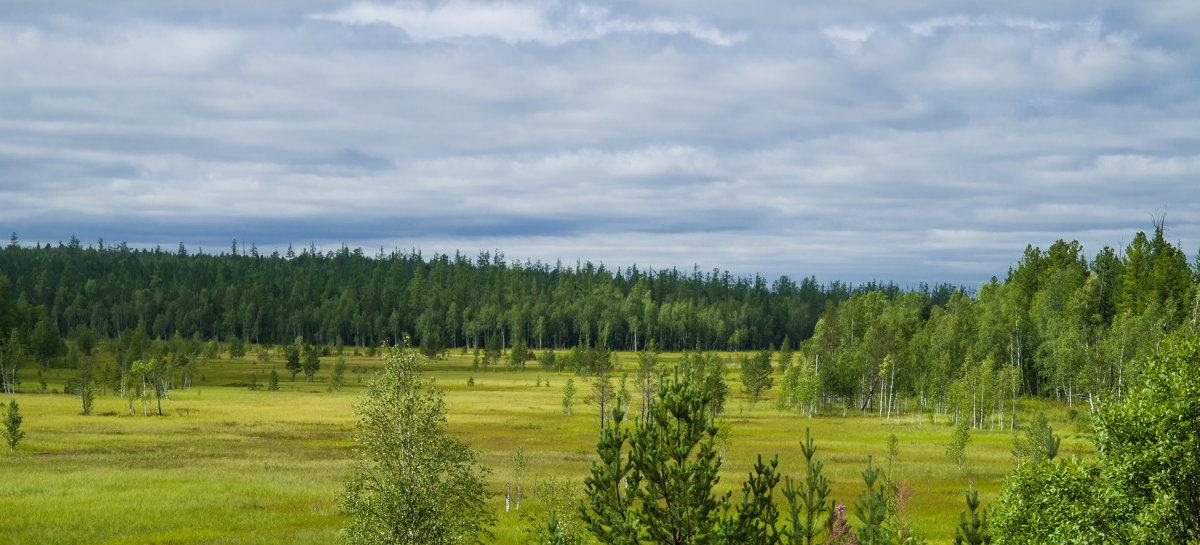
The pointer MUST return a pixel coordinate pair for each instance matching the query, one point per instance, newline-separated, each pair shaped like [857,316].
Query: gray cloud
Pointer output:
[913,143]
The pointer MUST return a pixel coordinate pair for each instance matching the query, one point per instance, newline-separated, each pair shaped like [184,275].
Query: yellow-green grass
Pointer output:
[230,465]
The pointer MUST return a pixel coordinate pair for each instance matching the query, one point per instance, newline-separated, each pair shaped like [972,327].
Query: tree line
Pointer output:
[345,297]
[1059,324]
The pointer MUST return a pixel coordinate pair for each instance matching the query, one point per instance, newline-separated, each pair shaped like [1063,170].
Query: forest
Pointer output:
[1059,324]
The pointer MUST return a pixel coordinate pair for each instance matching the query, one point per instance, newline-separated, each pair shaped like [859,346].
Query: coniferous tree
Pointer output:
[871,509]
[663,491]
[755,520]
[972,530]
[806,501]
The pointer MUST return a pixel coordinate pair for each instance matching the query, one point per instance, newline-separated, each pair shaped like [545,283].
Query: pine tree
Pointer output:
[871,509]
[806,502]
[273,381]
[663,492]
[973,530]
[755,521]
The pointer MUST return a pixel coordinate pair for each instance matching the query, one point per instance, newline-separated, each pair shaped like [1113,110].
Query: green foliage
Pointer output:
[972,530]
[649,376]
[798,389]
[155,374]
[85,386]
[786,355]
[662,492]
[411,482]
[1149,442]
[492,352]
[956,449]
[237,348]
[1060,502]
[212,351]
[12,425]
[548,361]
[714,385]
[273,381]
[433,343]
[600,364]
[46,342]
[1141,489]
[338,372]
[756,518]
[568,398]
[519,355]
[756,374]
[871,509]
[292,357]
[1039,444]
[85,339]
[806,500]
[311,362]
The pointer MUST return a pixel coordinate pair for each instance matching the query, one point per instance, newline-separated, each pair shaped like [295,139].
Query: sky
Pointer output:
[853,141]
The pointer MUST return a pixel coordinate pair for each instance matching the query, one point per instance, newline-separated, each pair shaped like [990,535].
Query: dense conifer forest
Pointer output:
[1058,324]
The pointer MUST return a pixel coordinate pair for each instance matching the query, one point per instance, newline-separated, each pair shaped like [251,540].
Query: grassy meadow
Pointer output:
[229,465]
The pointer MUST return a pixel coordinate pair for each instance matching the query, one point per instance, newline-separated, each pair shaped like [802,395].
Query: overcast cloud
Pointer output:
[925,142]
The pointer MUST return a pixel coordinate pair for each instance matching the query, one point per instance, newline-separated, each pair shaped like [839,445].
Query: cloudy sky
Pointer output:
[927,141]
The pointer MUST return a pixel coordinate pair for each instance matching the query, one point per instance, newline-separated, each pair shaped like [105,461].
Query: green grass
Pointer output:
[228,465]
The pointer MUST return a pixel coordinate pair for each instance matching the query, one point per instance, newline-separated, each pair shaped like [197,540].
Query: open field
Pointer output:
[230,465]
